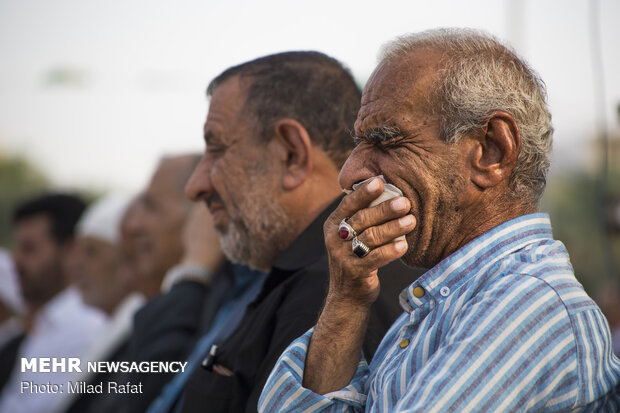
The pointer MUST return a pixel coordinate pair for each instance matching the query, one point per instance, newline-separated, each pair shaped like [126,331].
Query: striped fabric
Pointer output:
[503,325]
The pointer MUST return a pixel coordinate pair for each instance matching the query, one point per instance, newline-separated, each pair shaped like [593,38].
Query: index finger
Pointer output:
[356,200]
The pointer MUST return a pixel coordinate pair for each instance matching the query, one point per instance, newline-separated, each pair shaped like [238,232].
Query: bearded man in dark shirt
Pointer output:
[277,134]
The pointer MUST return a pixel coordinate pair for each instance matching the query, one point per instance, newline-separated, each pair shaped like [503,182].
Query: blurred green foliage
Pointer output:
[19,180]
[575,203]
[572,200]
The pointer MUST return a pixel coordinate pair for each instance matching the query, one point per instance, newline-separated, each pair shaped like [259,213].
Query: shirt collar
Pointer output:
[245,279]
[59,306]
[463,264]
[244,275]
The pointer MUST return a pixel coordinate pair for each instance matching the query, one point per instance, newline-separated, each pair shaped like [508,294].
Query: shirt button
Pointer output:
[404,343]
[418,292]
[444,291]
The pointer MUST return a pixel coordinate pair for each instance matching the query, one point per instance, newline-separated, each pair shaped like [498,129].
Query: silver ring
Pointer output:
[346,231]
[359,248]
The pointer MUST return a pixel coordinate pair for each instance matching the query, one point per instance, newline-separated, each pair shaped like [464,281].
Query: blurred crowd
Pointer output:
[78,275]
[145,278]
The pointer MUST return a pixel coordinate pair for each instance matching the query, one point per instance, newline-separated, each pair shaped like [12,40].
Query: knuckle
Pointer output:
[386,208]
[362,220]
[347,202]
[356,221]
[371,236]
[382,254]
[393,228]
[330,226]
[332,218]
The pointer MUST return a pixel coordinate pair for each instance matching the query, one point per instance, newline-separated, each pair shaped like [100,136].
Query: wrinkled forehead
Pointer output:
[228,100]
[397,89]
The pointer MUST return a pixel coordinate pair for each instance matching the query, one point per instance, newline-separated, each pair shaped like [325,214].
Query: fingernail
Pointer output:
[399,204]
[373,185]
[406,221]
[400,245]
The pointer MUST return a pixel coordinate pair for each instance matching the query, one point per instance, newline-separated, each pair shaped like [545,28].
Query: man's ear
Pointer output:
[297,157]
[495,151]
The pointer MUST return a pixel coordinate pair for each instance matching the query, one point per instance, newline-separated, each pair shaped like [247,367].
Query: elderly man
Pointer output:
[165,327]
[276,134]
[98,274]
[174,280]
[104,286]
[159,224]
[499,323]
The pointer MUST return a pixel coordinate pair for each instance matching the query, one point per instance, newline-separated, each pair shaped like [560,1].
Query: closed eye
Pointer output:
[383,138]
[213,144]
[214,148]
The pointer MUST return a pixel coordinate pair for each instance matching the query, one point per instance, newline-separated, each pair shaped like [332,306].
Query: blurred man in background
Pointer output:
[11,317]
[104,285]
[128,246]
[158,225]
[158,230]
[98,274]
[173,275]
[59,324]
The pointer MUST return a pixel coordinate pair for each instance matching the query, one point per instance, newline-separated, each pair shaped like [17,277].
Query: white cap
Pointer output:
[102,220]
[10,293]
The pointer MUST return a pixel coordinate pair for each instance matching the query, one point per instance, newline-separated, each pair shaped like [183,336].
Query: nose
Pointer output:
[356,169]
[199,186]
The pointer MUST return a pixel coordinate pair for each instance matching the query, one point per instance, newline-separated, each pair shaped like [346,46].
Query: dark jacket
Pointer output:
[288,305]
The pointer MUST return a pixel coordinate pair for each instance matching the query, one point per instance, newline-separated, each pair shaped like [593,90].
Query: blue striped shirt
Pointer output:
[503,325]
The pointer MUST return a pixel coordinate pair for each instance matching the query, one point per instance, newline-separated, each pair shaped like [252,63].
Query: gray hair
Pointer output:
[310,87]
[479,75]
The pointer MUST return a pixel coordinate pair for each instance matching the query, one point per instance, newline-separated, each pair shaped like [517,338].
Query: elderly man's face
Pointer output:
[412,157]
[97,272]
[127,249]
[239,178]
[159,225]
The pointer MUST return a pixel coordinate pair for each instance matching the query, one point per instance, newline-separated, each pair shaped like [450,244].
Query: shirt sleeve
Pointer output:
[284,392]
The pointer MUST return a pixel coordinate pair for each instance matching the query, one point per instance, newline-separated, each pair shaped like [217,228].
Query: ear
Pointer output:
[297,157]
[495,151]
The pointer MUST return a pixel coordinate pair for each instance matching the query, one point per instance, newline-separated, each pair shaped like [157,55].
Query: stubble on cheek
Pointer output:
[437,214]
[260,228]
[235,244]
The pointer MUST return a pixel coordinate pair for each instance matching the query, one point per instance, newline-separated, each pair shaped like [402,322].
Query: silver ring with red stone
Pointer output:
[359,248]
[346,231]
